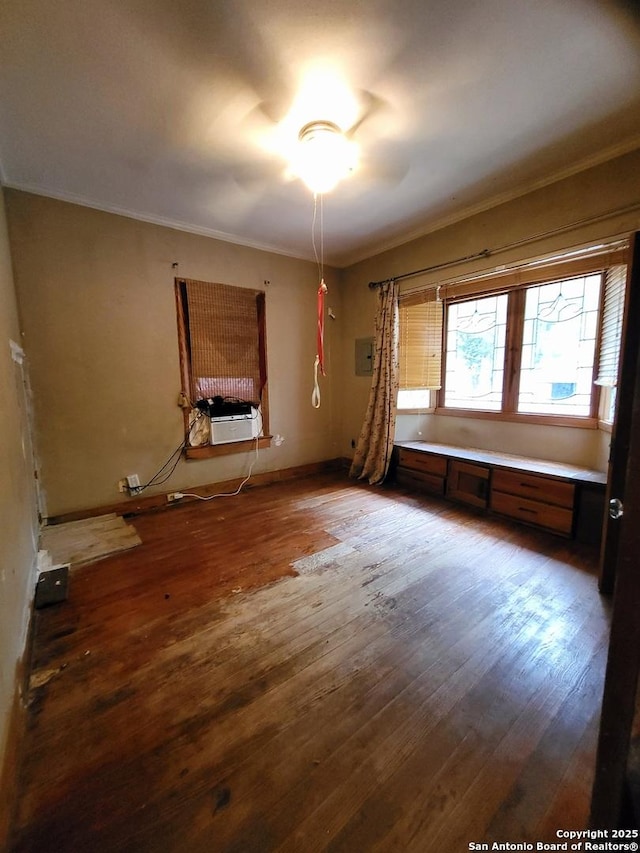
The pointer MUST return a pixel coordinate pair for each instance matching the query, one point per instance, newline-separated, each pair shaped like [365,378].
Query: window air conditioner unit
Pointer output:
[228,428]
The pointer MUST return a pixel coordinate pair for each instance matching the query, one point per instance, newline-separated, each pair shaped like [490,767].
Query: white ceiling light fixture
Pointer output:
[324,156]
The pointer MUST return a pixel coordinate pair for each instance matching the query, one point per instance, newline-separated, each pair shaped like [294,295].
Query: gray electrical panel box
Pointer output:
[364,356]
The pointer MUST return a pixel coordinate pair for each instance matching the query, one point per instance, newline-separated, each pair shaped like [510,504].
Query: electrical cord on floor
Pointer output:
[179,495]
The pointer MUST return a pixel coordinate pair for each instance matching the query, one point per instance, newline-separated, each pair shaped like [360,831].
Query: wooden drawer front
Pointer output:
[417,480]
[535,488]
[544,515]
[468,483]
[422,462]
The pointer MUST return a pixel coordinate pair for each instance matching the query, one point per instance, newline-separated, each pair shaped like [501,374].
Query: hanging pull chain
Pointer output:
[318,364]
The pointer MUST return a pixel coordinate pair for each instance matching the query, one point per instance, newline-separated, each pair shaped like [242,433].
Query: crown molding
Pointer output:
[611,153]
[341,260]
[165,222]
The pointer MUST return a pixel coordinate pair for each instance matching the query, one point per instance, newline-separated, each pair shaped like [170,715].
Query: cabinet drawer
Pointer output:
[418,480]
[422,462]
[535,488]
[544,515]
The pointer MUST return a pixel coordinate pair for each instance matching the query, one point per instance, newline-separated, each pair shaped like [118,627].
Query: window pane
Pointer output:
[475,353]
[414,398]
[556,375]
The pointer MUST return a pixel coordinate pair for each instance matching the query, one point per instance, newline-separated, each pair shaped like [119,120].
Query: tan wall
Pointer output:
[595,194]
[18,542]
[98,309]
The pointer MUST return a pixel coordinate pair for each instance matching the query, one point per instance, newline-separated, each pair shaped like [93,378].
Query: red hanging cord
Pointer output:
[319,362]
[322,290]
[321,294]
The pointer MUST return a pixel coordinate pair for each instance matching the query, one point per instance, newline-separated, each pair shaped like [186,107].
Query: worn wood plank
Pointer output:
[183,700]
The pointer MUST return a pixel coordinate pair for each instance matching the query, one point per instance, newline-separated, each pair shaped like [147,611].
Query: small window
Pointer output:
[221,332]
[414,398]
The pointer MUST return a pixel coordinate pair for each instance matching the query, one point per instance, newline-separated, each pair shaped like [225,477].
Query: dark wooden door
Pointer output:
[622,428]
[621,573]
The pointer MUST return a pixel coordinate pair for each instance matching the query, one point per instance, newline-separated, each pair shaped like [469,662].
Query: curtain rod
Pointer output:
[485,253]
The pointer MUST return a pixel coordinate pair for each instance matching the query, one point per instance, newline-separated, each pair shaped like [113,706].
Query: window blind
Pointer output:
[224,329]
[611,334]
[420,344]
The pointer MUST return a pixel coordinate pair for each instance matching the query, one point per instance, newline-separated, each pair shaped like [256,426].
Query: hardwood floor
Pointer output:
[429,677]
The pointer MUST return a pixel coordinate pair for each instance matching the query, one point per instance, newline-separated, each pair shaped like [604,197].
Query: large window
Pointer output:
[529,351]
[536,341]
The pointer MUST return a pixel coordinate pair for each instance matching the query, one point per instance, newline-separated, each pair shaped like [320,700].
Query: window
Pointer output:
[420,351]
[221,333]
[529,351]
[476,335]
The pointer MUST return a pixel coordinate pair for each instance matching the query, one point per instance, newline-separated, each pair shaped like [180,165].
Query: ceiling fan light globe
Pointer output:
[324,156]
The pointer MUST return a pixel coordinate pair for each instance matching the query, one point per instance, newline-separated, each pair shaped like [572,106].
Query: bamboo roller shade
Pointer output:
[224,340]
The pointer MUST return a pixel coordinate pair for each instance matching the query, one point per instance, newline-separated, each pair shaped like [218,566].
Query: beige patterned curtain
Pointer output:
[375,443]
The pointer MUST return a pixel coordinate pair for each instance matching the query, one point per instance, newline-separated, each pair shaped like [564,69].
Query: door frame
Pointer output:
[621,574]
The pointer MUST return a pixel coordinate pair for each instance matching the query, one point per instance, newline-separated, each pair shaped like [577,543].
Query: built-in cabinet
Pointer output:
[425,471]
[564,499]
[537,500]
[468,483]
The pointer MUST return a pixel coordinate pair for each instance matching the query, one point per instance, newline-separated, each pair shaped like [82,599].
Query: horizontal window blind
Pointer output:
[224,344]
[611,334]
[420,344]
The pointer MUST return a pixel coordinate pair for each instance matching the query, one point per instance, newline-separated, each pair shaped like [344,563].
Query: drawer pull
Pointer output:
[529,486]
[526,509]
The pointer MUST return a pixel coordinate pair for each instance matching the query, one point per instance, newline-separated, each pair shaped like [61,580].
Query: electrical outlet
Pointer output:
[122,485]
[133,482]
[174,496]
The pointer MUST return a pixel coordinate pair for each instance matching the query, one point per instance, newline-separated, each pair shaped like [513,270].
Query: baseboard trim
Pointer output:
[134,507]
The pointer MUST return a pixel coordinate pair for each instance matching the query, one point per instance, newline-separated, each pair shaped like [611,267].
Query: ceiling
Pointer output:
[177,111]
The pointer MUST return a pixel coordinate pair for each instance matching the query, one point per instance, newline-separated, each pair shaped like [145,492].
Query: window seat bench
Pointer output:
[564,499]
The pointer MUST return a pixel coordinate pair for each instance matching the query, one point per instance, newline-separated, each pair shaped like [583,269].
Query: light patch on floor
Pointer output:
[90,539]
[322,559]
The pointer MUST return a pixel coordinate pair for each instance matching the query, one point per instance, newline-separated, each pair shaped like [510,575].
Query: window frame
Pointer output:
[516,294]
[212,450]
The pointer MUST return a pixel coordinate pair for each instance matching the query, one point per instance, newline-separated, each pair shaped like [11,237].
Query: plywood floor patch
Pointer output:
[78,542]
